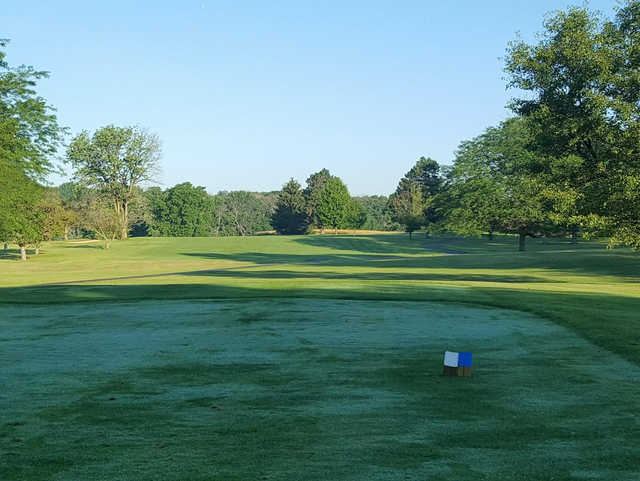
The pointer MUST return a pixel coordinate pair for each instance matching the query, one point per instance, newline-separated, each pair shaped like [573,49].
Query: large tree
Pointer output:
[20,219]
[290,216]
[424,177]
[495,185]
[29,137]
[184,210]
[312,192]
[115,161]
[408,207]
[332,208]
[29,130]
[582,105]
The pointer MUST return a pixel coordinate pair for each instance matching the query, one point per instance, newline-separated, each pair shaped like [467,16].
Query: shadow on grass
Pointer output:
[9,254]
[608,321]
[393,251]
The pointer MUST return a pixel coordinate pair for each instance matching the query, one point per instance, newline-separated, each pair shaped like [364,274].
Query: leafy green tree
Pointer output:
[29,130]
[55,217]
[99,218]
[582,106]
[425,177]
[290,216]
[494,186]
[29,136]
[408,208]
[312,193]
[20,220]
[332,207]
[183,211]
[115,161]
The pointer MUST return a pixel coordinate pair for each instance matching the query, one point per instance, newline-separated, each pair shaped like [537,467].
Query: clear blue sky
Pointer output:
[245,95]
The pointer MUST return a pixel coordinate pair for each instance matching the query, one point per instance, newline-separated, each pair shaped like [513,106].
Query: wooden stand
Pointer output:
[456,371]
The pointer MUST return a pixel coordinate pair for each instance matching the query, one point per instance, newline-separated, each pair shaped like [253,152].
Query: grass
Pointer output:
[273,358]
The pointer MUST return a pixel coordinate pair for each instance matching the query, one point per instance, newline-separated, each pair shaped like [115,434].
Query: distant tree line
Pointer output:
[566,164]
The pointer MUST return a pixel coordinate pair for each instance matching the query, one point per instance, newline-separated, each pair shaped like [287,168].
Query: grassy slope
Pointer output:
[585,287]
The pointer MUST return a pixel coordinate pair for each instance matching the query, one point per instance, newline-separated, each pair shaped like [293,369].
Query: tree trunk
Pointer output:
[23,253]
[490,235]
[410,235]
[125,221]
[522,239]
[36,251]
[66,232]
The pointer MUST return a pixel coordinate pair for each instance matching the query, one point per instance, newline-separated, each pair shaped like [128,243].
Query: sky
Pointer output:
[245,95]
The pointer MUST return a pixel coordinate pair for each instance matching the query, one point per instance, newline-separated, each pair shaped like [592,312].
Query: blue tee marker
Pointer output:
[457,363]
[464,359]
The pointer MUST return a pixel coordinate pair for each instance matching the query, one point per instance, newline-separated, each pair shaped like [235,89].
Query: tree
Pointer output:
[425,177]
[243,213]
[183,211]
[103,220]
[408,206]
[54,217]
[29,136]
[29,130]
[332,205]
[494,185]
[20,220]
[312,192]
[290,216]
[582,106]
[115,160]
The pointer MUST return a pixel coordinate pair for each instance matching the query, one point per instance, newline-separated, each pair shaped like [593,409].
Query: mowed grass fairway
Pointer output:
[319,358]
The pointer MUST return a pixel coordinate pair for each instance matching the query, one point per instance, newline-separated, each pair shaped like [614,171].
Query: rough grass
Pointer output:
[307,389]
[289,382]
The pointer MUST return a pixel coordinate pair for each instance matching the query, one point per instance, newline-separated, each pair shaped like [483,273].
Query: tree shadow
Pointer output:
[9,254]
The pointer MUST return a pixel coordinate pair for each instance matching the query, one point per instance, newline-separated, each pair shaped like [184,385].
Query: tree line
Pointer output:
[567,163]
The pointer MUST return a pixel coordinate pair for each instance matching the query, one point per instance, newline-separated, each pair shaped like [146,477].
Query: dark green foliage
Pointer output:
[378,215]
[332,205]
[582,107]
[290,216]
[315,184]
[356,215]
[494,186]
[29,130]
[405,207]
[181,211]
[20,218]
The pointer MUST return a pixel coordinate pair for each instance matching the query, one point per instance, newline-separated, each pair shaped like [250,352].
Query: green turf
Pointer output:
[307,389]
[319,388]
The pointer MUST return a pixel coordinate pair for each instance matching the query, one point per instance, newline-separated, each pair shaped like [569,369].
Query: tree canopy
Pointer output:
[114,161]
[582,105]
[290,216]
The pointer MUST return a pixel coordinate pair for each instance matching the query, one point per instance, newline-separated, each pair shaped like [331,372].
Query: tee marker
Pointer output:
[457,364]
